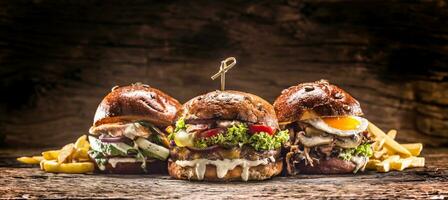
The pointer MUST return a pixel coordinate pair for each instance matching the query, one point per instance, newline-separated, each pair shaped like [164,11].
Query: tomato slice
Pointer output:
[254,128]
[211,132]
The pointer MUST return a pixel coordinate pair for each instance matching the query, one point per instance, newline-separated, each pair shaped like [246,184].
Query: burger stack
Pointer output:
[230,135]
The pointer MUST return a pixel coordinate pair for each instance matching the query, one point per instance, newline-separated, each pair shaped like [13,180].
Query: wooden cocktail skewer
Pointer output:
[225,66]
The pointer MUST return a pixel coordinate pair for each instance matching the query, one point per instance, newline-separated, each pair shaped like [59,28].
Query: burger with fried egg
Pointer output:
[327,133]
[226,136]
[127,135]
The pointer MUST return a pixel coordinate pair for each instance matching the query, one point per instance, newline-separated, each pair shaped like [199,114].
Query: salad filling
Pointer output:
[127,142]
[227,134]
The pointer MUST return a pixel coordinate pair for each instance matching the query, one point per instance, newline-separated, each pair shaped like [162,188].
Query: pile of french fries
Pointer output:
[71,159]
[390,155]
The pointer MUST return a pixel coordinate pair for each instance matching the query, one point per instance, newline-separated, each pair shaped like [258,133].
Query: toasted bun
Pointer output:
[137,102]
[330,166]
[152,167]
[260,172]
[314,99]
[231,105]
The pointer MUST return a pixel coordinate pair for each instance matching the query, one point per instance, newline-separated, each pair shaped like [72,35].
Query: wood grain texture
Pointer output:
[59,58]
[428,182]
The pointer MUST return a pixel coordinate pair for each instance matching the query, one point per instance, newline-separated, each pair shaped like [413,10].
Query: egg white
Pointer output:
[318,123]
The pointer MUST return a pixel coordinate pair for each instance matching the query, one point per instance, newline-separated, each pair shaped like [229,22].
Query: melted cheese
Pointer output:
[223,166]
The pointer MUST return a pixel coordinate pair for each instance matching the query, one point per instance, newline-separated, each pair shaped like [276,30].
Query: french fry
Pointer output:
[69,168]
[81,154]
[417,162]
[372,164]
[401,164]
[390,151]
[66,152]
[28,160]
[378,145]
[414,148]
[392,134]
[77,168]
[73,158]
[384,166]
[390,155]
[389,142]
[82,143]
[51,166]
[38,158]
[50,155]
[379,154]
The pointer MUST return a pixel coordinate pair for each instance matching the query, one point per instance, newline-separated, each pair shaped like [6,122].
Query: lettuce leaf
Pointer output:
[364,150]
[237,135]
[99,157]
[180,124]
[110,149]
[264,141]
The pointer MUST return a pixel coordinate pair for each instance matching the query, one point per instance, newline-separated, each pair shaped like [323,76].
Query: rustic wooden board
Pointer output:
[59,58]
[429,182]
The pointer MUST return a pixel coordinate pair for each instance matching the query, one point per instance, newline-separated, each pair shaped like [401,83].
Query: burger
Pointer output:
[328,136]
[226,136]
[127,135]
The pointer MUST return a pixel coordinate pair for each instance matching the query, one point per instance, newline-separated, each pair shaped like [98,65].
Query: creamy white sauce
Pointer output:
[101,167]
[360,162]
[223,166]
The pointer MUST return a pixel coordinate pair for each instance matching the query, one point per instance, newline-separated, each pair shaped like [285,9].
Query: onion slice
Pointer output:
[112,139]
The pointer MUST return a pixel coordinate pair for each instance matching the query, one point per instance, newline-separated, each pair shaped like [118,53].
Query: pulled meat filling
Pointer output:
[309,145]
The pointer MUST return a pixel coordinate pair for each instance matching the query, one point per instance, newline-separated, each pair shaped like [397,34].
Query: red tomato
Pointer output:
[260,128]
[211,132]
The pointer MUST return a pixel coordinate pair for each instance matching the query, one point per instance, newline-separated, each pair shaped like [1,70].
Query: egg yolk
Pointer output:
[342,123]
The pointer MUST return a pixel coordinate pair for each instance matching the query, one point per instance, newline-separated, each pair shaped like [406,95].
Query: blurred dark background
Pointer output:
[59,58]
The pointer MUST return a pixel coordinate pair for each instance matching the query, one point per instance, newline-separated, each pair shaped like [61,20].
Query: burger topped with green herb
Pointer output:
[225,136]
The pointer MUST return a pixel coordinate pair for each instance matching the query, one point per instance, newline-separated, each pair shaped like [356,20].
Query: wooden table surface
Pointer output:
[20,181]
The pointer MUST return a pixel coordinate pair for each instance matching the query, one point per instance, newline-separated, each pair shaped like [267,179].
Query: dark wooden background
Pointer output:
[58,58]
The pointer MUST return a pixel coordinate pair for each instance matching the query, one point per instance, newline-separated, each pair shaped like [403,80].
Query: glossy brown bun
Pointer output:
[260,172]
[230,105]
[330,166]
[152,167]
[314,99]
[137,102]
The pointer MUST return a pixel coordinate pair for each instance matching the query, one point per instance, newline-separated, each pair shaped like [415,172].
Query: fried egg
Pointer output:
[341,126]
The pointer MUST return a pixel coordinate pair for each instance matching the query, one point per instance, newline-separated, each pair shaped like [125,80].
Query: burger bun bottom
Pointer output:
[260,172]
